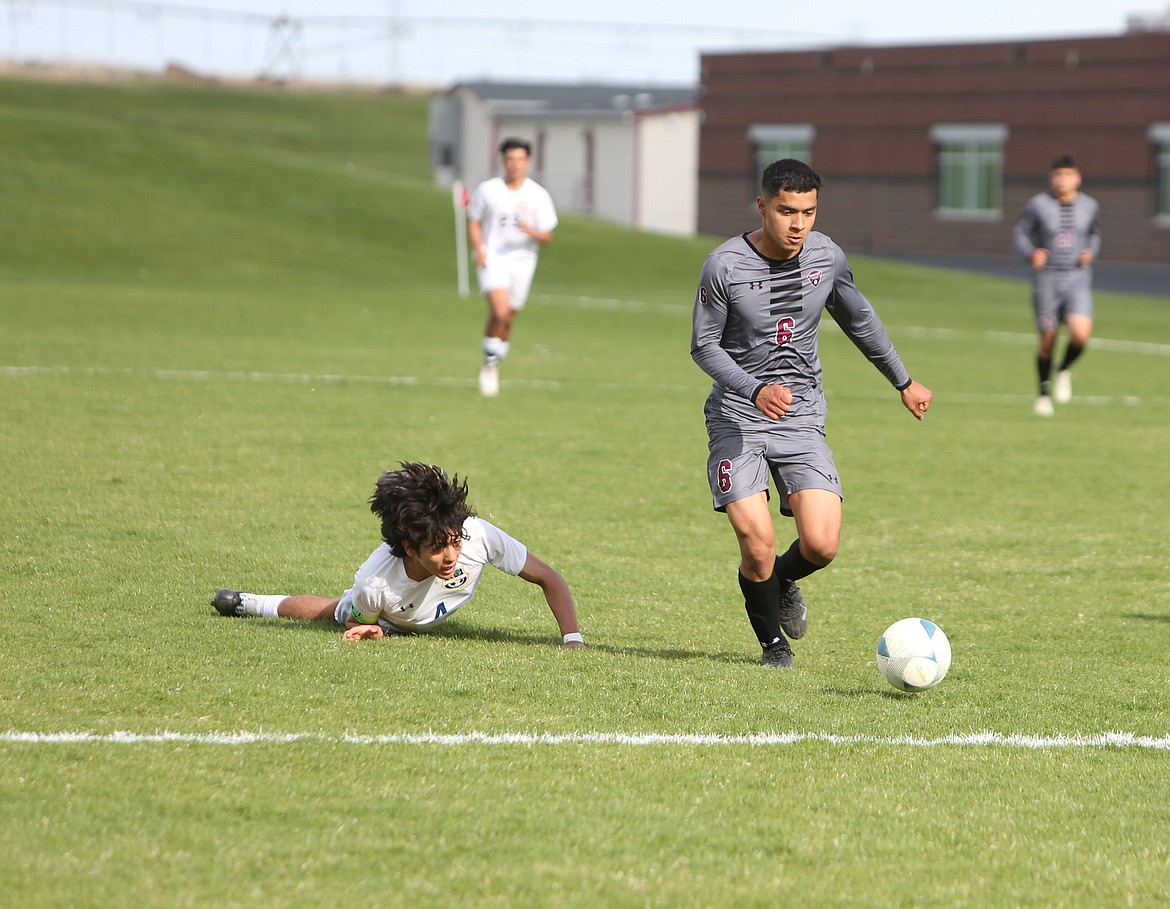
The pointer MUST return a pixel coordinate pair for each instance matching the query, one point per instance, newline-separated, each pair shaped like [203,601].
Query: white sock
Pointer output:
[495,347]
[262,605]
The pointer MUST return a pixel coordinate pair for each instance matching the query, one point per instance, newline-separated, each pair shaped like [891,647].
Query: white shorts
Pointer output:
[511,273]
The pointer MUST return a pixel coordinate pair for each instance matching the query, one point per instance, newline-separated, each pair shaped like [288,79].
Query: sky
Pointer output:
[436,43]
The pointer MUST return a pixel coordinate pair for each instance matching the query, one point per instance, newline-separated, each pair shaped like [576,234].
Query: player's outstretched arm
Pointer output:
[917,397]
[557,594]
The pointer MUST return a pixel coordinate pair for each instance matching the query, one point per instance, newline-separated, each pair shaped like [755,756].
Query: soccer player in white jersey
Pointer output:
[756,315]
[508,220]
[1057,233]
[431,561]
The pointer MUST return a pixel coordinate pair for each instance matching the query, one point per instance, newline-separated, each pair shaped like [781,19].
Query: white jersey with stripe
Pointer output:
[382,590]
[756,320]
[500,211]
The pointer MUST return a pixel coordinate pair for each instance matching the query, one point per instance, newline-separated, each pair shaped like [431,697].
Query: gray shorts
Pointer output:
[1058,293]
[742,458]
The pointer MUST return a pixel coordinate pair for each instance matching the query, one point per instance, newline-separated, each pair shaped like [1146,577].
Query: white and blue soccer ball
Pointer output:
[913,655]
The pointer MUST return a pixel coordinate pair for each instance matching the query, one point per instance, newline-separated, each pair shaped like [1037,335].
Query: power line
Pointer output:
[296,41]
[393,21]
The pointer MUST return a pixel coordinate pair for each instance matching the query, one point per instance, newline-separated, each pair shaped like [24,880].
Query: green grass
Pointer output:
[223,312]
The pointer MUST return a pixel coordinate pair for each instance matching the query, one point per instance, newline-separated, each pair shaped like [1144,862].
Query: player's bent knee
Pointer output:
[757,564]
[819,552]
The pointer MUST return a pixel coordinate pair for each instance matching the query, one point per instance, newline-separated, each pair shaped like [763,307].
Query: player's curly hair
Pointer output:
[789,175]
[420,506]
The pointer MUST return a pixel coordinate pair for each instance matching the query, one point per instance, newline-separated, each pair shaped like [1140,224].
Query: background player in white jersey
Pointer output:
[756,316]
[509,219]
[434,554]
[1057,233]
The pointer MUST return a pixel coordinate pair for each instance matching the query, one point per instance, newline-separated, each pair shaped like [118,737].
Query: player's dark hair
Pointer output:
[512,142]
[789,175]
[421,506]
[1064,162]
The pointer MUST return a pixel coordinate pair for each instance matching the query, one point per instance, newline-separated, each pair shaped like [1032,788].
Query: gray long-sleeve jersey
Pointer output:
[1063,230]
[755,323]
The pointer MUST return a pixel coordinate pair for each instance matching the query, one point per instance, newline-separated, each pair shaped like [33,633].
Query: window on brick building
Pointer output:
[773,141]
[969,163]
[1160,137]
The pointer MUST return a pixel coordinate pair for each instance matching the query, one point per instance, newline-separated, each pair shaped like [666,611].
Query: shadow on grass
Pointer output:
[723,656]
[856,693]
[1146,617]
[498,636]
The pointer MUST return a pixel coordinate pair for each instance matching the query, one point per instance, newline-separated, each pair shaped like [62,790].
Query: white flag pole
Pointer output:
[459,204]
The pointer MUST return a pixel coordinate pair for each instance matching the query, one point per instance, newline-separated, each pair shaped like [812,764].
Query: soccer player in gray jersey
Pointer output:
[756,316]
[1058,234]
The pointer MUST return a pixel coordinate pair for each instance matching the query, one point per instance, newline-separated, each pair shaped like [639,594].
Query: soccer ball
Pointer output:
[913,655]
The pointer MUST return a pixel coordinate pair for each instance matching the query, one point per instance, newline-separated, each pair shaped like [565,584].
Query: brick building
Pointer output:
[935,149]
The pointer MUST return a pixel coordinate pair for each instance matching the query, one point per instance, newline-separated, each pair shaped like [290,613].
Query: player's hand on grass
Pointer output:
[917,398]
[773,401]
[362,633]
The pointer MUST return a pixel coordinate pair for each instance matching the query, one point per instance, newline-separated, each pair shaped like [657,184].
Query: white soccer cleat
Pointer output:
[489,377]
[1043,406]
[1063,390]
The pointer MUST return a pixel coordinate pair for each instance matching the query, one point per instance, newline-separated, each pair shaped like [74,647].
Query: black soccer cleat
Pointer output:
[793,611]
[777,655]
[228,602]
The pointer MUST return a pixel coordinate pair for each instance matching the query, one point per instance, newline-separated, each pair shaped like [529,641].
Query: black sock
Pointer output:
[1070,355]
[761,599]
[792,566]
[1044,368]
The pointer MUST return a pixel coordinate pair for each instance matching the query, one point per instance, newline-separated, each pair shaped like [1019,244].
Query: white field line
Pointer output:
[827,324]
[608,304]
[292,378]
[467,382]
[976,739]
[917,331]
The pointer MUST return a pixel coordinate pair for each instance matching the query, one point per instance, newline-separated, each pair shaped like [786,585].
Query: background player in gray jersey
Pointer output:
[1058,234]
[756,315]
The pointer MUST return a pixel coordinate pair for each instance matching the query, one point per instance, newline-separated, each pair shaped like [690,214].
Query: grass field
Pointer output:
[222,313]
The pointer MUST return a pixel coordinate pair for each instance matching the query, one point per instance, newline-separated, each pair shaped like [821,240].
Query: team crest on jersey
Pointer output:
[461,577]
[814,277]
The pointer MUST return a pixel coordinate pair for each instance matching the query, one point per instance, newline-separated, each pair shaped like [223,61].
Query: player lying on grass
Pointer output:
[434,553]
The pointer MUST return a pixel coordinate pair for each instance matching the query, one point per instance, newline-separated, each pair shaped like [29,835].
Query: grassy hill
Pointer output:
[161,183]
